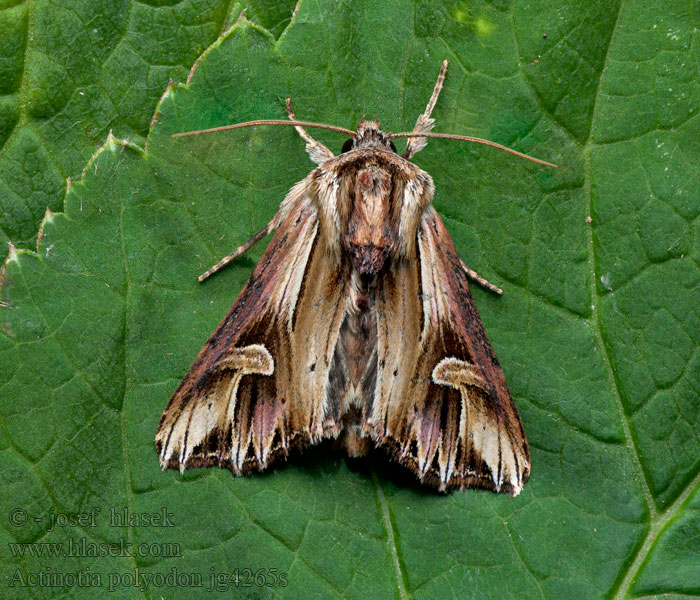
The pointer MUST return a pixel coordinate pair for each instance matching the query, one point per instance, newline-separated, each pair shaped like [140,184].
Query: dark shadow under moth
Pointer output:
[357,324]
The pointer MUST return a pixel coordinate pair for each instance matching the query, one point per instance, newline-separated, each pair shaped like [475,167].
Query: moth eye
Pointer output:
[347,146]
[392,146]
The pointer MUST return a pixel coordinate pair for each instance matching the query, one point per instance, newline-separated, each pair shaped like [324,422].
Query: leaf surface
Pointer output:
[73,70]
[597,331]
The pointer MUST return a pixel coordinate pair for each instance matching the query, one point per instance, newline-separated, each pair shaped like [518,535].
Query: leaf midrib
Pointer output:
[658,521]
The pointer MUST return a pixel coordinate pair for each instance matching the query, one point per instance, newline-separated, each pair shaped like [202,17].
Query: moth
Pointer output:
[357,324]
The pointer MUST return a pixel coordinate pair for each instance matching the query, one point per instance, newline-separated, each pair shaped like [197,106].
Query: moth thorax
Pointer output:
[370,237]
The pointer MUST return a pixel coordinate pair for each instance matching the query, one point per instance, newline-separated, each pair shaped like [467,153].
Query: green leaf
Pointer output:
[72,70]
[598,329]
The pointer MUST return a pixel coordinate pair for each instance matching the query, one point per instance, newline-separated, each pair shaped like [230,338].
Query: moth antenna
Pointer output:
[267,122]
[424,123]
[300,130]
[316,150]
[466,138]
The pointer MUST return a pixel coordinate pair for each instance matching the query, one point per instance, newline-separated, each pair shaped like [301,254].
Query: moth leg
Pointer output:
[424,123]
[236,253]
[474,276]
[316,150]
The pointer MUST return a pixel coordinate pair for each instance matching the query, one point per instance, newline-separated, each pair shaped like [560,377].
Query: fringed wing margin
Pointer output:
[256,389]
[442,405]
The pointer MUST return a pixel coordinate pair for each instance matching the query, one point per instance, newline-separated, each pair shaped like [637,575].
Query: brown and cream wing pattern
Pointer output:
[256,388]
[442,405]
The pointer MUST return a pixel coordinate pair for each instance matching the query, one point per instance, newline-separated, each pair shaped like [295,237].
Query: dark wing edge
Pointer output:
[244,401]
[442,405]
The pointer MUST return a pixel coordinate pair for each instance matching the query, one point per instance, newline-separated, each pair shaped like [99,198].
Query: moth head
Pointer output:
[369,135]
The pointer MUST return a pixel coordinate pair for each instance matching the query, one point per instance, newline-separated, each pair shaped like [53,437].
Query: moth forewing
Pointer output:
[357,324]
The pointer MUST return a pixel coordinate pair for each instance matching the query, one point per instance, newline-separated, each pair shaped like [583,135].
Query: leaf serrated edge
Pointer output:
[48,216]
[241,22]
[11,255]
[112,144]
